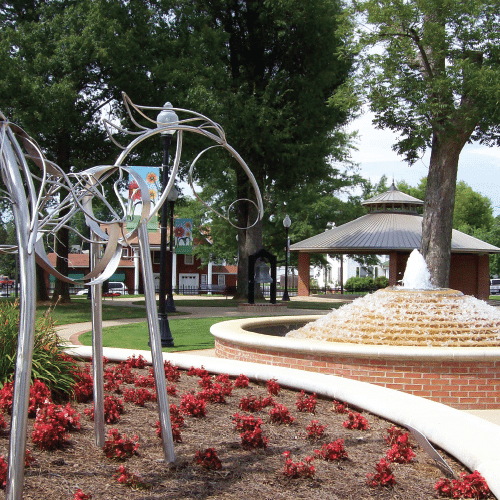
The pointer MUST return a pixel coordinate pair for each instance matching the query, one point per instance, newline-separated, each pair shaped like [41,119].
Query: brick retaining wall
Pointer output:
[464,385]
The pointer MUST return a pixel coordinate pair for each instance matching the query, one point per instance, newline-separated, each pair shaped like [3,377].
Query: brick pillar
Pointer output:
[304,279]
[393,268]
[483,277]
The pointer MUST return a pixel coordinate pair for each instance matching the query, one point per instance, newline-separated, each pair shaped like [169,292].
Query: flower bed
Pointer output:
[222,452]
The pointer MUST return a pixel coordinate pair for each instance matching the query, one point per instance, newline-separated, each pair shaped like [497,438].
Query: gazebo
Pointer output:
[393,227]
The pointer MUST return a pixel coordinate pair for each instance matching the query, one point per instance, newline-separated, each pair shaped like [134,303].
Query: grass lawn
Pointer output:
[323,306]
[79,311]
[188,335]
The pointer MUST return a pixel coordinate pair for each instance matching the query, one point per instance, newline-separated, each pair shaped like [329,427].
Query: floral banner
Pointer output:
[152,177]
[183,236]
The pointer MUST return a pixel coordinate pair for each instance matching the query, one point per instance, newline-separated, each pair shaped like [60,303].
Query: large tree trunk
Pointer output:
[438,207]
[249,240]
[42,293]
[61,288]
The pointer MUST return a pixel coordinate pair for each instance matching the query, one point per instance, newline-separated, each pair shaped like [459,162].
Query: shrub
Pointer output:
[242,381]
[315,430]
[193,405]
[83,385]
[304,403]
[273,387]
[356,421]
[280,414]
[133,362]
[119,447]
[356,284]
[176,432]
[294,470]
[172,372]
[208,459]
[123,476]
[39,396]
[468,486]
[332,451]
[383,477]
[401,451]
[80,495]
[113,408]
[339,407]
[50,364]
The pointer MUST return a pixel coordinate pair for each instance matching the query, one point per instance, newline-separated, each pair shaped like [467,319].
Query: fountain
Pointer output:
[434,343]
[414,314]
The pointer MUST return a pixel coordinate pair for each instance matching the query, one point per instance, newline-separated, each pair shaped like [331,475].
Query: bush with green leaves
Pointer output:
[50,364]
[366,284]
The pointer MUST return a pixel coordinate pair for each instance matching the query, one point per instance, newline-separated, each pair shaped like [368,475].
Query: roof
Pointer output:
[393,195]
[384,230]
[228,269]
[79,260]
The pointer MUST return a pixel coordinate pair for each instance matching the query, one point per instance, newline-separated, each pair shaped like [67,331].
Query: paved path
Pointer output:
[71,332]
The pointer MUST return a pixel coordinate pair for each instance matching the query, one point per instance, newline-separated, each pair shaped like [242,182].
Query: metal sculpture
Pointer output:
[45,199]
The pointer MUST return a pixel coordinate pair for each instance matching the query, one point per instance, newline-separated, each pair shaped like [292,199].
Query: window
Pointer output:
[203,279]
[188,260]
[221,279]
[156,257]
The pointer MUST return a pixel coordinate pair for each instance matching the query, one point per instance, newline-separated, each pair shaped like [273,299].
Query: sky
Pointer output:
[479,166]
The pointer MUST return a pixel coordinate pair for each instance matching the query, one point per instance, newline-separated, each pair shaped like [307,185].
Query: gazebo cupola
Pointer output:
[393,201]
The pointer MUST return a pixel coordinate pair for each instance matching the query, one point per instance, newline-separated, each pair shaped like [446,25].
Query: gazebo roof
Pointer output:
[392,225]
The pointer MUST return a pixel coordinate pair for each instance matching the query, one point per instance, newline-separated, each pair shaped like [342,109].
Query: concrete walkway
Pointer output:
[73,331]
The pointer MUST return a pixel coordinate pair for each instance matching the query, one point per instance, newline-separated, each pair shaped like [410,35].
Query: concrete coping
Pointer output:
[239,332]
[470,439]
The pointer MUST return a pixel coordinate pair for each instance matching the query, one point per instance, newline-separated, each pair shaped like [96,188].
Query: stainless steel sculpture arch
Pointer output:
[31,191]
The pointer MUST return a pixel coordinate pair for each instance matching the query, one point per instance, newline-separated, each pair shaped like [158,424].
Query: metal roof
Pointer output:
[393,195]
[382,232]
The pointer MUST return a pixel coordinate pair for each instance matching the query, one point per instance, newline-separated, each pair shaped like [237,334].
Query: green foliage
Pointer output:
[472,209]
[49,363]
[432,79]
[365,284]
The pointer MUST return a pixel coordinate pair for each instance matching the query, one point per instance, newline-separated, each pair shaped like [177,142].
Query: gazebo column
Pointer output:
[304,277]
[483,277]
[393,268]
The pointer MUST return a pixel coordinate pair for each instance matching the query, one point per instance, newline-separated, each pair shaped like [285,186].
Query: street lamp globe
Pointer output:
[167,116]
[287,222]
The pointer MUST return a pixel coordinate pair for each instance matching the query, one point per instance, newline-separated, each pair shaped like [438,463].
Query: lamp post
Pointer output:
[171,198]
[165,117]
[287,222]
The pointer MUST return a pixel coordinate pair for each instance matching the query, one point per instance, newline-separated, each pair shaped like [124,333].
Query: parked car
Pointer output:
[495,286]
[117,287]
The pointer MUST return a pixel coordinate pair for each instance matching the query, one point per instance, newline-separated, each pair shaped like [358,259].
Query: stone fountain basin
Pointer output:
[462,377]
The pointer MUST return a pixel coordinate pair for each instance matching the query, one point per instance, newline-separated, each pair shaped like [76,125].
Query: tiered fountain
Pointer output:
[434,343]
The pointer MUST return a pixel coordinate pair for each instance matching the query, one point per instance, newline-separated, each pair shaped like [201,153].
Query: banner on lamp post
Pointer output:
[183,236]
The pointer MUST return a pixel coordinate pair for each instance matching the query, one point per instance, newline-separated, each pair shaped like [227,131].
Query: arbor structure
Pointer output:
[433,78]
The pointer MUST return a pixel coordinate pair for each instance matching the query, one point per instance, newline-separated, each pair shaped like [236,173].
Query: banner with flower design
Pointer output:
[152,177]
[183,236]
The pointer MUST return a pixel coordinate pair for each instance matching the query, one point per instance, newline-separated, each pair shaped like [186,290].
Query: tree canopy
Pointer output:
[429,71]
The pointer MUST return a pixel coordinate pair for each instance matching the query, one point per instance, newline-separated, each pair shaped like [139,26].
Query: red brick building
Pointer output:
[189,274]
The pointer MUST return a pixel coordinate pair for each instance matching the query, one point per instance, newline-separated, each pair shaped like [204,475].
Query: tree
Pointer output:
[264,71]
[433,80]
[62,63]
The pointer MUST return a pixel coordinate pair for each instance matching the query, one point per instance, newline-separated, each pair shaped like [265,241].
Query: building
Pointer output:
[189,274]
[393,227]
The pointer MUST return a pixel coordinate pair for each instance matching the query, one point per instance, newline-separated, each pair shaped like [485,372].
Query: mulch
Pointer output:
[245,474]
